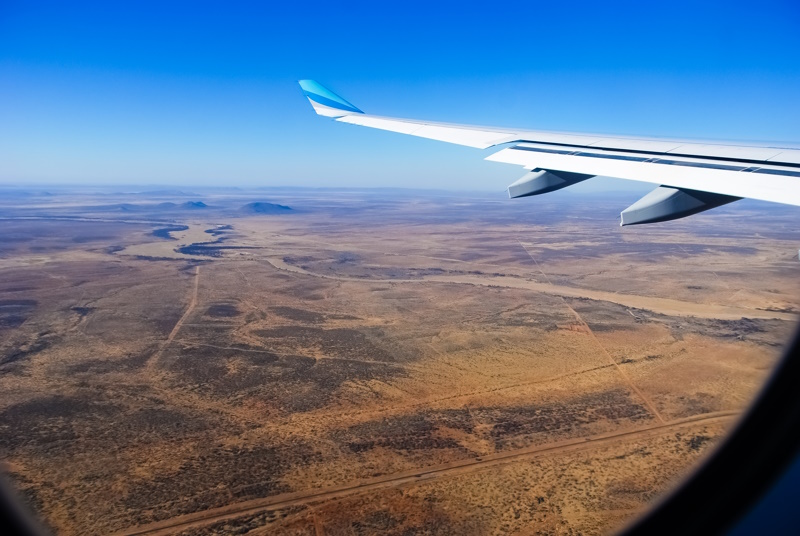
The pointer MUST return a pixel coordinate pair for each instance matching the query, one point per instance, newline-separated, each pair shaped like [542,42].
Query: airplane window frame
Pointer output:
[749,462]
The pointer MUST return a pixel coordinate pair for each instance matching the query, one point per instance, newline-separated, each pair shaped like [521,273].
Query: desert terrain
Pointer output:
[289,361]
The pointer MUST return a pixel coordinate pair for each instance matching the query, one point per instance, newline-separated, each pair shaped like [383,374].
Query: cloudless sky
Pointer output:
[205,93]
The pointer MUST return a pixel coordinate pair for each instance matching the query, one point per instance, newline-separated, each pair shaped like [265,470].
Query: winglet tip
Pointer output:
[325,101]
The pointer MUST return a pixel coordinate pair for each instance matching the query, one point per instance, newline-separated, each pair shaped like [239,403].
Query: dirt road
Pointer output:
[666,306]
[192,304]
[286,500]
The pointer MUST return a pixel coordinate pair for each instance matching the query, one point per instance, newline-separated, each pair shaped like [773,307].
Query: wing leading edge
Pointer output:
[691,177]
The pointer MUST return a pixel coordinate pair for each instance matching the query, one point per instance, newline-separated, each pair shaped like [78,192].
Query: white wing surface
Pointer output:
[691,177]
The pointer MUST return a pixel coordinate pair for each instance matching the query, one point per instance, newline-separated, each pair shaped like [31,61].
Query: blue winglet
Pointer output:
[325,101]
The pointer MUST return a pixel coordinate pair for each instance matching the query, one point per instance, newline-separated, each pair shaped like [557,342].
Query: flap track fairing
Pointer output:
[542,181]
[665,204]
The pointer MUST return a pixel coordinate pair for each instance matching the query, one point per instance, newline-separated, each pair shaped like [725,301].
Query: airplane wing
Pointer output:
[691,177]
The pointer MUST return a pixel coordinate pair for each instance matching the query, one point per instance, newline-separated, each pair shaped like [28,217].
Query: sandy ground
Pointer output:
[376,366]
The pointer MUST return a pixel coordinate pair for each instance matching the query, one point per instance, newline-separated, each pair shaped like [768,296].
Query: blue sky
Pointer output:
[204,93]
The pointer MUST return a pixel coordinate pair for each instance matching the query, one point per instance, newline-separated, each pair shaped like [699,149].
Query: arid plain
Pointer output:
[376,361]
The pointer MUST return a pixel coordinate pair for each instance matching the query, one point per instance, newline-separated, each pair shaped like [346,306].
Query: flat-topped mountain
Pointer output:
[262,207]
[192,205]
[150,207]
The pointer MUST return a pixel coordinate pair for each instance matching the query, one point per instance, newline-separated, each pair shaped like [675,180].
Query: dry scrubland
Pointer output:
[375,362]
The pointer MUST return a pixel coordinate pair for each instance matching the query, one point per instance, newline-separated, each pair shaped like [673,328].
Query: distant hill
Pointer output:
[167,193]
[17,192]
[131,207]
[125,207]
[151,207]
[261,207]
